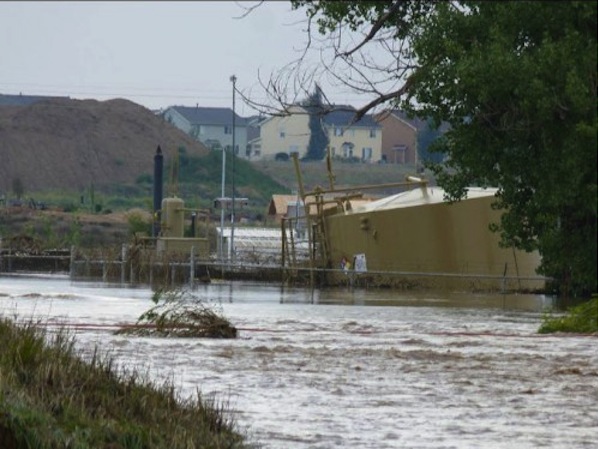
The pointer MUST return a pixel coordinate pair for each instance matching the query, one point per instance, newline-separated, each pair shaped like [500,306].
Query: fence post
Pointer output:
[72,263]
[123,255]
[192,266]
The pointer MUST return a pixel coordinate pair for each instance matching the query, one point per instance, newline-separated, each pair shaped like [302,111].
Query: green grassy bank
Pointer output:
[52,398]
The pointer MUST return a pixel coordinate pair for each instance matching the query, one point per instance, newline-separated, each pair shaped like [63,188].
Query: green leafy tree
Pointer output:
[425,145]
[318,140]
[516,81]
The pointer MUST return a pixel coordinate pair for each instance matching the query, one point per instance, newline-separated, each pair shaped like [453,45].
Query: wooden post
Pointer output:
[123,255]
[72,263]
[192,266]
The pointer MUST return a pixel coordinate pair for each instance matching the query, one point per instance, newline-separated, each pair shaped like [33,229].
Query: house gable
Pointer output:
[211,126]
[399,137]
[285,134]
[361,140]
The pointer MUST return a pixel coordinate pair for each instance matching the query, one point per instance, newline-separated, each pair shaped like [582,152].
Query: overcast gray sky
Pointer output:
[154,53]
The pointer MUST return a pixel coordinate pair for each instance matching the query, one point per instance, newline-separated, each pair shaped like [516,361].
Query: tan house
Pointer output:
[280,137]
[399,137]
[360,141]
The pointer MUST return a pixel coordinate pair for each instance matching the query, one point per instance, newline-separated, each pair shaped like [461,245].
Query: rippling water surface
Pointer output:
[363,369]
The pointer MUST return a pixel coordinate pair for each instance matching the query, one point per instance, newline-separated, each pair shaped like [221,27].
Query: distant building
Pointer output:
[282,136]
[360,141]
[23,100]
[253,149]
[400,136]
[211,126]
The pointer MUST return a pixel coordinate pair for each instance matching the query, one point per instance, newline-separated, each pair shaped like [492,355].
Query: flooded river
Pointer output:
[363,369]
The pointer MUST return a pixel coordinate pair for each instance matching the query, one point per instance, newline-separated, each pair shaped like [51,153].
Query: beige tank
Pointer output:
[172,217]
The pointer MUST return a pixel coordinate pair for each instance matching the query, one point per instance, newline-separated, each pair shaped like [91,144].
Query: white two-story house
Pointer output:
[211,126]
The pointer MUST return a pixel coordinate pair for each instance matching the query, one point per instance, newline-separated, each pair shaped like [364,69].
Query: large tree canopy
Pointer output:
[517,83]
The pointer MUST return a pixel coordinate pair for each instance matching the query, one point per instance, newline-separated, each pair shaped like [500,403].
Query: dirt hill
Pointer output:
[69,144]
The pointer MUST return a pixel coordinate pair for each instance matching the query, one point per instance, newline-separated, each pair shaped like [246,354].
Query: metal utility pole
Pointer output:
[232,232]
[222,203]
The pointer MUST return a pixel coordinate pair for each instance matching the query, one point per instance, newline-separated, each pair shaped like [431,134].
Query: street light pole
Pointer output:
[232,232]
[222,203]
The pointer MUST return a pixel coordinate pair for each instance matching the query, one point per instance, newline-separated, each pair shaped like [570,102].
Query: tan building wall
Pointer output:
[362,143]
[436,238]
[399,140]
[285,135]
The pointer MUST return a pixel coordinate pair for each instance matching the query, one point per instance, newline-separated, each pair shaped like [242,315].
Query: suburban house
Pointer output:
[361,140]
[253,149]
[281,136]
[401,137]
[211,126]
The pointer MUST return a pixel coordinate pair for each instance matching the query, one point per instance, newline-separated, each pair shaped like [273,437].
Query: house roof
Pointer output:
[416,122]
[279,203]
[343,116]
[200,115]
[23,100]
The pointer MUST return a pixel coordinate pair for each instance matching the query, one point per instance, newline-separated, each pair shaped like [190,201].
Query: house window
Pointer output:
[228,130]
[338,131]
[373,132]
[366,154]
[282,134]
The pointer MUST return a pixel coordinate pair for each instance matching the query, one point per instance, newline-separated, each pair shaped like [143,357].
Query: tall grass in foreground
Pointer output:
[579,319]
[51,398]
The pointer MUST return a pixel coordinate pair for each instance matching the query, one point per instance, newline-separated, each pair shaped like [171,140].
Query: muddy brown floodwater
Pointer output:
[354,369]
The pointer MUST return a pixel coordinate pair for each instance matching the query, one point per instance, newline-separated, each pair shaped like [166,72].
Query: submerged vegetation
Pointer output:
[51,398]
[579,319]
[177,313]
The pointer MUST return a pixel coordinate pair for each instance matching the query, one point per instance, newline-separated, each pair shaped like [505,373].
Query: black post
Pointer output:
[158,182]
[193,224]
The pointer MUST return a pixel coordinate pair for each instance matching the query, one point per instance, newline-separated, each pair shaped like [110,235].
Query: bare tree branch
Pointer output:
[248,10]
[383,99]
[376,27]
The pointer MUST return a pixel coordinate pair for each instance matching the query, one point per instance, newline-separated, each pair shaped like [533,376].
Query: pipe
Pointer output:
[158,183]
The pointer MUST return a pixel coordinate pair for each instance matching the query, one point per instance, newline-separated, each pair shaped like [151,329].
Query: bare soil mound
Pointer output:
[69,144]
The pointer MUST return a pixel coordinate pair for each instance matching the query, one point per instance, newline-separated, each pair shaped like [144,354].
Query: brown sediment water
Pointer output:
[374,369]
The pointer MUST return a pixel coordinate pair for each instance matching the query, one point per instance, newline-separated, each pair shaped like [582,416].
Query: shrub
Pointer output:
[579,319]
